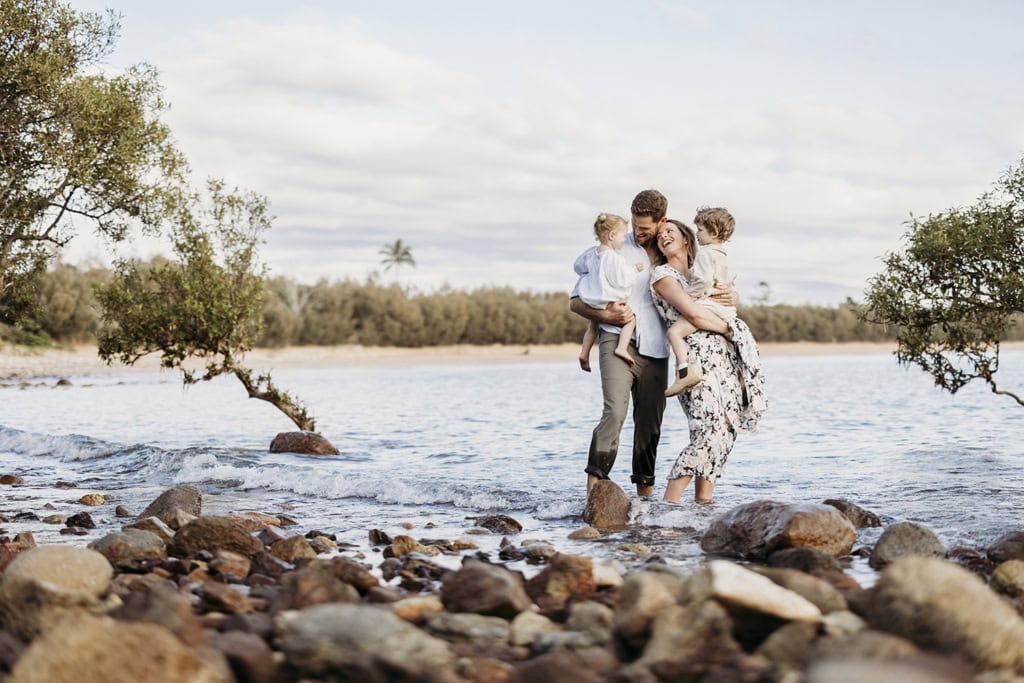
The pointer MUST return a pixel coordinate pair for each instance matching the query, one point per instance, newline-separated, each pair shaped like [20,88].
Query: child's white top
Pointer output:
[605,276]
[710,269]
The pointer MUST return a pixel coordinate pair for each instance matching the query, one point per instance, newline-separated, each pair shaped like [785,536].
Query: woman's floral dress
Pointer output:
[728,401]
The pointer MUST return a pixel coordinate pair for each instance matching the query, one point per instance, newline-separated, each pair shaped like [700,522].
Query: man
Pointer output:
[646,380]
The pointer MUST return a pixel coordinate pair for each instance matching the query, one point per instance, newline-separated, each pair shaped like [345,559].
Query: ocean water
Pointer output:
[436,446]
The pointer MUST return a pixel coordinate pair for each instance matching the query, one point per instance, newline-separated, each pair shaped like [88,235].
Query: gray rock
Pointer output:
[864,644]
[249,655]
[608,506]
[757,529]
[153,525]
[941,606]
[527,625]
[560,666]
[858,516]
[823,595]
[903,539]
[364,643]
[473,629]
[687,642]
[131,548]
[186,498]
[642,596]
[913,670]
[804,559]
[485,589]
[1009,546]
[1008,578]
[789,645]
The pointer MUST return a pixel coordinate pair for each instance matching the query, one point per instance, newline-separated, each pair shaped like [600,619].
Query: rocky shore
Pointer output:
[177,596]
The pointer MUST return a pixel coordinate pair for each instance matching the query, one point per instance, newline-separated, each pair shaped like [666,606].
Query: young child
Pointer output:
[710,269]
[605,276]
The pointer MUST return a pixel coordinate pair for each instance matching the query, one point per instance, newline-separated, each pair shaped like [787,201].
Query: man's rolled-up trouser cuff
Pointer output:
[595,472]
[642,481]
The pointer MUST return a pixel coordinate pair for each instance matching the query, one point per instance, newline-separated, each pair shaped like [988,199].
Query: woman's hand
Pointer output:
[699,316]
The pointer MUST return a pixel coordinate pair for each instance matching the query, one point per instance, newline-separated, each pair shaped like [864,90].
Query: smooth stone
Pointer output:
[184,497]
[905,539]
[608,506]
[1008,578]
[304,443]
[483,588]
[757,529]
[130,548]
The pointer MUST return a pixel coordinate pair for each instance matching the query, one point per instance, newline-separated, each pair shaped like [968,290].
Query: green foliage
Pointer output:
[77,149]
[395,255]
[958,287]
[205,305]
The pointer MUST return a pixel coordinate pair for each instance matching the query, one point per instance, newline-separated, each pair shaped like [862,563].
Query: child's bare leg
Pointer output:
[622,350]
[686,374]
[589,337]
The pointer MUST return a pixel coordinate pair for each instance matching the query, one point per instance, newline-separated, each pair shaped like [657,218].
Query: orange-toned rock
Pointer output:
[757,529]
[565,576]
[608,506]
[307,443]
[92,499]
[256,521]
[11,480]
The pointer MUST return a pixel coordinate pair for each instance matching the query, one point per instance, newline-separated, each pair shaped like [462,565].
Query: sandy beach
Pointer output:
[26,363]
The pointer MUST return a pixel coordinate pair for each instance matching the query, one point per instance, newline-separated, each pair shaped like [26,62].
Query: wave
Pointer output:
[68,447]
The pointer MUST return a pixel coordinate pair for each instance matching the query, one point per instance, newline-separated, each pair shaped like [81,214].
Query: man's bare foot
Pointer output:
[585,363]
[624,355]
[644,491]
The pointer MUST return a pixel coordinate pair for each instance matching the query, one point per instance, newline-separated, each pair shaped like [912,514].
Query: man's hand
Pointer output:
[616,313]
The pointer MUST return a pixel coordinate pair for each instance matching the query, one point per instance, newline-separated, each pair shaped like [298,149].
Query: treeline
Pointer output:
[372,313]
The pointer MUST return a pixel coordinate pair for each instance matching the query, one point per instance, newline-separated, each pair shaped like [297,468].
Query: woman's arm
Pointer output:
[669,289]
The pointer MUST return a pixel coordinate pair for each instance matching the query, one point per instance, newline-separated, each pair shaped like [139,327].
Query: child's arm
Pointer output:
[699,316]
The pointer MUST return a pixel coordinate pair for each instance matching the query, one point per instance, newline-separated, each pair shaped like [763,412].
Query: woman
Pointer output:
[730,399]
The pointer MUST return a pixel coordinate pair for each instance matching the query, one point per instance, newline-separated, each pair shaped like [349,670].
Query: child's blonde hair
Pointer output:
[606,224]
[718,221]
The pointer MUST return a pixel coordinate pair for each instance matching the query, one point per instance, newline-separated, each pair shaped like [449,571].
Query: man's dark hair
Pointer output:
[650,203]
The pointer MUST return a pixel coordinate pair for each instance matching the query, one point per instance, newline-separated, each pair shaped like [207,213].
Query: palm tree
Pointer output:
[396,255]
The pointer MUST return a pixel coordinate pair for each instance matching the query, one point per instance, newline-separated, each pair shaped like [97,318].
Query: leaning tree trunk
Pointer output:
[265,390]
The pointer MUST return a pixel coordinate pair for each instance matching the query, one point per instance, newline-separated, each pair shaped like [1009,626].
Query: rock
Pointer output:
[185,498]
[92,499]
[732,584]
[789,645]
[250,657]
[941,606]
[270,535]
[55,519]
[556,667]
[528,625]
[268,565]
[361,643]
[476,630]
[482,588]
[687,642]
[177,518]
[1008,578]
[159,603]
[592,619]
[1009,546]
[858,516]
[225,598]
[378,537]
[230,566]
[644,595]
[122,511]
[351,572]
[864,644]
[403,545]
[821,594]
[608,506]
[499,524]
[44,585]
[154,526]
[564,577]
[757,529]
[905,670]
[306,443]
[418,608]
[131,548]
[311,586]
[902,539]
[25,539]
[587,533]
[73,531]
[11,480]
[607,576]
[256,521]
[82,519]
[102,650]
[292,549]
[804,559]
[539,553]
[212,534]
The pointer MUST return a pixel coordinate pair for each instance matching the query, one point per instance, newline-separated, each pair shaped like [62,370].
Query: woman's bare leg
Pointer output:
[675,489]
[703,490]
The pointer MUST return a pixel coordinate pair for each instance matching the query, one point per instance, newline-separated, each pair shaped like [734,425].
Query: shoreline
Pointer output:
[22,363]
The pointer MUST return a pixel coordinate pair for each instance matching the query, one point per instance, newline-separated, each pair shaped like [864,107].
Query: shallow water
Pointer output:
[442,445]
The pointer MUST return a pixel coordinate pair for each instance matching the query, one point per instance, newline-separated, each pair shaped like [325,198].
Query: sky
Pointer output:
[489,135]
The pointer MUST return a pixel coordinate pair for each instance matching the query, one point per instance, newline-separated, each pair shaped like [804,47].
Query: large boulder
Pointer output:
[306,443]
[688,642]
[564,577]
[757,529]
[44,586]
[486,589]
[185,498]
[902,539]
[1009,546]
[943,607]
[608,506]
[642,596]
[131,548]
[361,643]
[213,534]
[102,650]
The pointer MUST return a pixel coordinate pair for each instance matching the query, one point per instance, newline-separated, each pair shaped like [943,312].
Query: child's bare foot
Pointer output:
[624,355]
[585,363]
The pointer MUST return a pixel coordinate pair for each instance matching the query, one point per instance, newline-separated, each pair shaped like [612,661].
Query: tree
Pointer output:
[77,149]
[396,255]
[957,288]
[205,305]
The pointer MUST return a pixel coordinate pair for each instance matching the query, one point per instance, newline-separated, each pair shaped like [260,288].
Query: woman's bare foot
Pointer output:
[624,355]
[585,363]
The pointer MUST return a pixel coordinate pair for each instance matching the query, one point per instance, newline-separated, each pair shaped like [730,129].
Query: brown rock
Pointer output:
[266,564]
[564,577]
[351,572]
[416,609]
[858,516]
[255,521]
[159,603]
[213,534]
[311,586]
[250,657]
[587,533]
[223,597]
[483,588]
[643,595]
[185,498]
[403,545]
[292,549]
[758,529]
[92,499]
[230,565]
[307,443]
[608,506]
[556,667]
[11,480]
[687,642]
[1008,578]
[499,524]
[25,539]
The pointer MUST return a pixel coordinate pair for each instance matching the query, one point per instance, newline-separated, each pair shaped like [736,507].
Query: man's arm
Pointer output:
[617,313]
